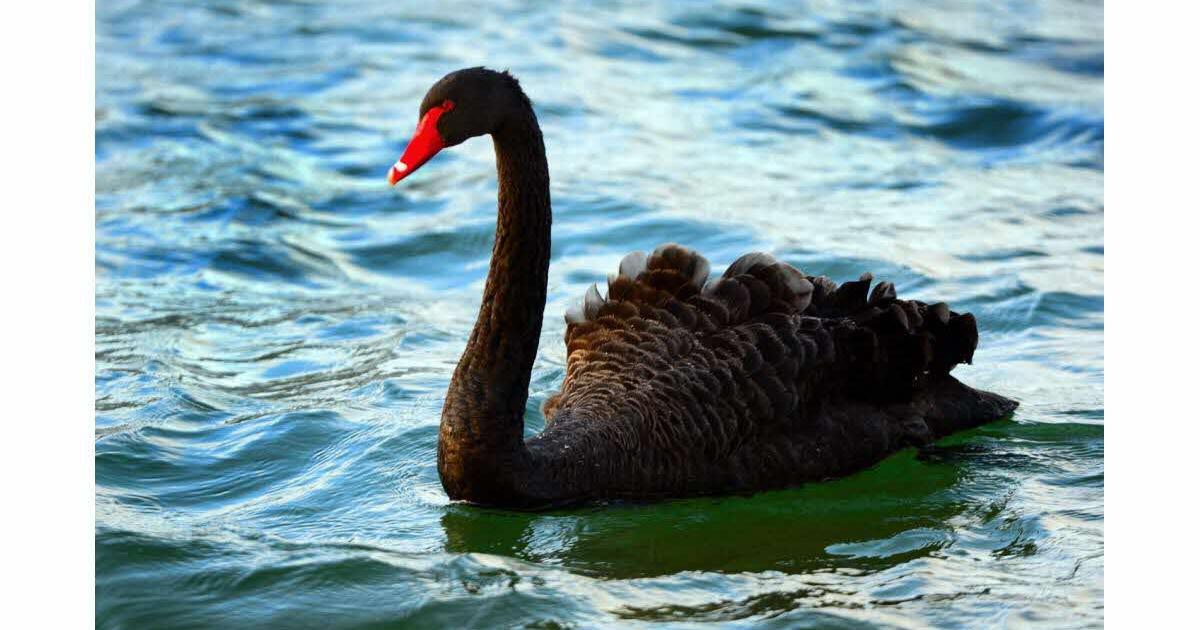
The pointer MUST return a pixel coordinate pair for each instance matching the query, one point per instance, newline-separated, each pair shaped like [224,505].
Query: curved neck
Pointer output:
[481,449]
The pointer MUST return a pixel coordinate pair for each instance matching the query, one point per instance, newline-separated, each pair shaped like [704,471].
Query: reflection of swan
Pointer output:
[675,386]
[475,531]
[871,521]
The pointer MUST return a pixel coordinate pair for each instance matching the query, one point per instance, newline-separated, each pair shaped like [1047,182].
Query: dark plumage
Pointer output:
[677,384]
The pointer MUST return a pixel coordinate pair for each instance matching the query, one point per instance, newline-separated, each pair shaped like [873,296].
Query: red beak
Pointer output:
[425,143]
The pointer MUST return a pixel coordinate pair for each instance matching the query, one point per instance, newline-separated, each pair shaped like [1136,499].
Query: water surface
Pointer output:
[276,327]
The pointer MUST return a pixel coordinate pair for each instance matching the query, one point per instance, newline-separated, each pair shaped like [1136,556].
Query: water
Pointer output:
[276,327]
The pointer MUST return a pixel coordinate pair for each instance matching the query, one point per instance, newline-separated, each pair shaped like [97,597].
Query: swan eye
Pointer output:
[447,105]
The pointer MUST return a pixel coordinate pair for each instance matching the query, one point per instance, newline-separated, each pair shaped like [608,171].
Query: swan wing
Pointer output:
[676,362]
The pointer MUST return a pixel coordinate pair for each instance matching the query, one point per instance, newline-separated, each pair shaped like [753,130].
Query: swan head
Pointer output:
[463,104]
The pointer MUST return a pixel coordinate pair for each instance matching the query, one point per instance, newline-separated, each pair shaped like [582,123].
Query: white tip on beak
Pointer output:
[396,172]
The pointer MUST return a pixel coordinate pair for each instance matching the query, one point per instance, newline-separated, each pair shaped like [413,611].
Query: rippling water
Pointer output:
[276,327]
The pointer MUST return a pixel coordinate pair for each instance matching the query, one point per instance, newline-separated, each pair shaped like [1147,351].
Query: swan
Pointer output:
[677,384]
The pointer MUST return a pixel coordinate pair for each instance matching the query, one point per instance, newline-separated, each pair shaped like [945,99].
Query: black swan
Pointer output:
[676,385]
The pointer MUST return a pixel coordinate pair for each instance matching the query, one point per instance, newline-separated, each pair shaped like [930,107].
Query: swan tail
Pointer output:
[890,348]
[953,406]
[892,351]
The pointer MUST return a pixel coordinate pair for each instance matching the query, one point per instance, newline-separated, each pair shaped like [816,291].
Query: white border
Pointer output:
[1152,194]
[47,319]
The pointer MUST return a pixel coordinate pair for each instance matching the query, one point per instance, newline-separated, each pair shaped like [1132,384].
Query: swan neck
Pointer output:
[481,451]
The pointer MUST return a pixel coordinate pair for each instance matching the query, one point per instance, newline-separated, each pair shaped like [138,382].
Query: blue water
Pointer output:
[275,327]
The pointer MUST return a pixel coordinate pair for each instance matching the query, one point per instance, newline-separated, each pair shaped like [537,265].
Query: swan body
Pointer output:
[677,384]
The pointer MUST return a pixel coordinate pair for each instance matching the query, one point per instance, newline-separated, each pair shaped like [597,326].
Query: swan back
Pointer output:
[693,381]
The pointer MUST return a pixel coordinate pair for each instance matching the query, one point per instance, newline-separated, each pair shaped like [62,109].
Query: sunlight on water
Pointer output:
[276,326]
